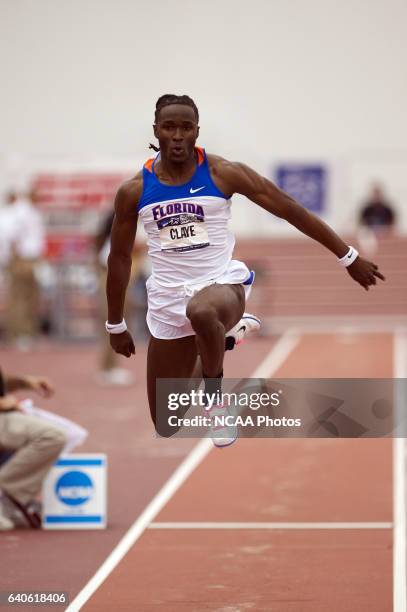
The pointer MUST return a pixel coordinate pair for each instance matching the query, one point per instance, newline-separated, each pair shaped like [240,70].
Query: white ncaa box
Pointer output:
[74,493]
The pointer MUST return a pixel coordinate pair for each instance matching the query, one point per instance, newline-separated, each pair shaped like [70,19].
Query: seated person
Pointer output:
[34,443]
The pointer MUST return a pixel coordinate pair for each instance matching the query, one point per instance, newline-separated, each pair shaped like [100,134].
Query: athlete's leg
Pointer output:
[169,359]
[213,311]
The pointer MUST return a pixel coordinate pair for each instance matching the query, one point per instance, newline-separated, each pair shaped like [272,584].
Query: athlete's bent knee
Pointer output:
[201,316]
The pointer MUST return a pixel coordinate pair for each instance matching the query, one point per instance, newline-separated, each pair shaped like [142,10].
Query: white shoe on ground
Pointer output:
[24,516]
[115,377]
[247,325]
[6,524]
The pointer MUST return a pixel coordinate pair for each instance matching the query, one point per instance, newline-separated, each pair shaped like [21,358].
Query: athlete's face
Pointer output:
[177,131]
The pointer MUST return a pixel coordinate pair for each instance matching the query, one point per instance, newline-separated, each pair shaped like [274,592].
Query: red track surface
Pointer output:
[295,278]
[266,481]
[275,480]
[119,425]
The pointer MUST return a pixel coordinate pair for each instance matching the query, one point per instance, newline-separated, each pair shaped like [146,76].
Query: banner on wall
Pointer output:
[77,190]
[73,204]
[74,196]
[306,183]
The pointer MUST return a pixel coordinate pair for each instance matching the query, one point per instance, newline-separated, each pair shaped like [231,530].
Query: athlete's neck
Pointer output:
[175,173]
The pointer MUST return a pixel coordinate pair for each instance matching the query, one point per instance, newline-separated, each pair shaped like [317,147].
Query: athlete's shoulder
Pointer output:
[225,173]
[129,194]
[133,186]
[216,162]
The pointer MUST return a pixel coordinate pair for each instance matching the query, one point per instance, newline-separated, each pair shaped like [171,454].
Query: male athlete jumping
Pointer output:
[196,292]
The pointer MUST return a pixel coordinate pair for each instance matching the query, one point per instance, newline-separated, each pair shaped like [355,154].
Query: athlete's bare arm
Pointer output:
[119,261]
[234,177]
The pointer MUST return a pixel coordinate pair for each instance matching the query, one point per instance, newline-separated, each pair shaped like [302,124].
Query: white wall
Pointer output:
[273,79]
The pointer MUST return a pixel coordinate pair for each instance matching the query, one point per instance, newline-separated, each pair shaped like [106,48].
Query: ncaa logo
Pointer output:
[74,488]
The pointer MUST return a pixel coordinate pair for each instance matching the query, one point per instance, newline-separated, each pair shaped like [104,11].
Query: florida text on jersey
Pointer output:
[186,225]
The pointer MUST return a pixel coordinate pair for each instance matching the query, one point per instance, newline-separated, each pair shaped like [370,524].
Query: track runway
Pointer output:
[271,524]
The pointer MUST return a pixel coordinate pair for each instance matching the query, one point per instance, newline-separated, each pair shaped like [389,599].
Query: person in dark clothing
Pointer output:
[377,213]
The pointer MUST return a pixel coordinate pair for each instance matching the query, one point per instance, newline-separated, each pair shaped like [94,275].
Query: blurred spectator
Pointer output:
[377,213]
[23,237]
[109,373]
[35,444]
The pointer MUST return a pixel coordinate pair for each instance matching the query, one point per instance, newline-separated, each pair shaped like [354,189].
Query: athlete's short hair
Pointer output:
[167,99]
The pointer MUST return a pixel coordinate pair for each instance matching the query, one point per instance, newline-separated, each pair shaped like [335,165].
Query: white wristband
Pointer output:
[116,328]
[349,258]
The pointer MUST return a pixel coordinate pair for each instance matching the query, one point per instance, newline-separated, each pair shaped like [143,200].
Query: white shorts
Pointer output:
[166,315]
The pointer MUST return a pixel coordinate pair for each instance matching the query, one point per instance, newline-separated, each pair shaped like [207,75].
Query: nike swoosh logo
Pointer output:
[195,190]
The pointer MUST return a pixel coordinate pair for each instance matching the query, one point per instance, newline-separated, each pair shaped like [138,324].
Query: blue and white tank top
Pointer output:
[186,226]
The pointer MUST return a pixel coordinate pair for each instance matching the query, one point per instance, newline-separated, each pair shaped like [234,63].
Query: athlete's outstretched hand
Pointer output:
[364,272]
[123,344]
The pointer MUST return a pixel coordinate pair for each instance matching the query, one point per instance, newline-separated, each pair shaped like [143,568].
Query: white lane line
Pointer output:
[268,367]
[328,525]
[399,482]
[278,354]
